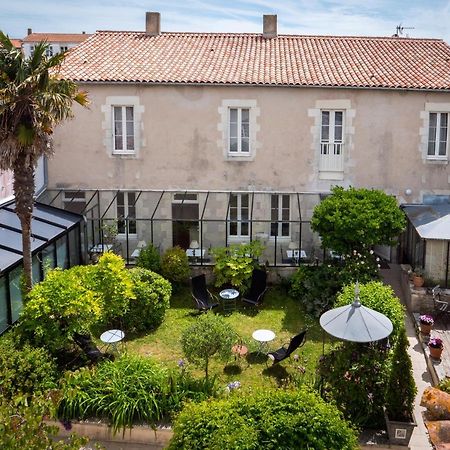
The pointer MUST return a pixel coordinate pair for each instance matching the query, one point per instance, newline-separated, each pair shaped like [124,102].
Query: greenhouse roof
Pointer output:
[48,224]
[430,221]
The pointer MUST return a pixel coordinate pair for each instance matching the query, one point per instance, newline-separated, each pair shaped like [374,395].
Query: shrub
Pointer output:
[208,336]
[401,388]
[354,376]
[24,371]
[270,420]
[315,287]
[23,427]
[235,264]
[152,294]
[59,306]
[175,266]
[149,258]
[358,266]
[357,219]
[377,296]
[131,389]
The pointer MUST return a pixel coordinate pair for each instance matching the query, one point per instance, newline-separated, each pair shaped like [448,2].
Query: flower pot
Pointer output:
[425,328]
[418,281]
[399,432]
[435,353]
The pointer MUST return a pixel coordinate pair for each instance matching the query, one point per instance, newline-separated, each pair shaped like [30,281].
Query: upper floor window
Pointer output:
[126,212]
[238,225]
[123,129]
[280,215]
[49,51]
[331,132]
[438,136]
[63,48]
[239,131]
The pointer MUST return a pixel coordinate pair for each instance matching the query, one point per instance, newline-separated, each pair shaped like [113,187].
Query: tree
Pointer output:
[208,336]
[356,219]
[33,99]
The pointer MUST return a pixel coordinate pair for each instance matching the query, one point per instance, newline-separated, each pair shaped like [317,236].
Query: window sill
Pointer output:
[436,161]
[239,158]
[125,155]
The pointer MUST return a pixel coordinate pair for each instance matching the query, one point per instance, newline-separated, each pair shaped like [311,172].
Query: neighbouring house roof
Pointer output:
[17,43]
[56,37]
[430,221]
[251,59]
[47,224]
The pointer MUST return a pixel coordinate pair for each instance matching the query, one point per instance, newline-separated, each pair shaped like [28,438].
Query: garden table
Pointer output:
[112,338]
[263,337]
[229,297]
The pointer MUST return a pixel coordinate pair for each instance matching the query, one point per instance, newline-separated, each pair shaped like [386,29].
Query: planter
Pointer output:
[399,432]
[435,353]
[418,281]
[425,328]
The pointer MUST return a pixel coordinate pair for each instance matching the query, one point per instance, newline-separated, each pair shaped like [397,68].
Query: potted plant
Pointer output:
[426,322]
[400,393]
[435,345]
[418,279]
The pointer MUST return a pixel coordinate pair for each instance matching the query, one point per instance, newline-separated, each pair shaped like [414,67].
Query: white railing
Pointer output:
[331,157]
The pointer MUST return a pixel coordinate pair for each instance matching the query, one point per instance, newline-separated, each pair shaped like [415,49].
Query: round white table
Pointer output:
[229,297]
[263,337]
[112,337]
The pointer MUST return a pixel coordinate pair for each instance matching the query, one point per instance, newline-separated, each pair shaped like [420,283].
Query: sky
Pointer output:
[428,18]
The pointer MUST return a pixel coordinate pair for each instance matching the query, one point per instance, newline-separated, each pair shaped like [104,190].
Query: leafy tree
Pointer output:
[208,336]
[356,219]
[175,266]
[149,258]
[33,99]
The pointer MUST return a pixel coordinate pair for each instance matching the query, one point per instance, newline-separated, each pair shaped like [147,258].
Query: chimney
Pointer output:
[29,31]
[269,26]
[83,32]
[153,23]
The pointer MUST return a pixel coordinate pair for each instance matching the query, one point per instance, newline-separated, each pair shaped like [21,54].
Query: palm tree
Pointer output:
[33,99]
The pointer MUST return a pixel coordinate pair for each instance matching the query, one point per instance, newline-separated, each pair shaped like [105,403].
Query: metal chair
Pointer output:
[204,300]
[284,352]
[257,289]
[440,306]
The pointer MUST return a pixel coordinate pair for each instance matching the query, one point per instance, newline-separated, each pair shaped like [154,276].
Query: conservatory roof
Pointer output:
[48,223]
[430,221]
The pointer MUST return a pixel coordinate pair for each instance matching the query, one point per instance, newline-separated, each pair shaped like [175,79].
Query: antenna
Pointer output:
[399,30]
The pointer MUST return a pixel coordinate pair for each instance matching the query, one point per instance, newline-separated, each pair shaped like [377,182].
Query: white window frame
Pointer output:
[126,206]
[238,220]
[336,145]
[239,151]
[437,136]
[280,219]
[124,150]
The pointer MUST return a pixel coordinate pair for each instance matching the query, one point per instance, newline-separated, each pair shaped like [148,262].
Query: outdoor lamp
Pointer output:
[293,246]
[194,244]
[141,244]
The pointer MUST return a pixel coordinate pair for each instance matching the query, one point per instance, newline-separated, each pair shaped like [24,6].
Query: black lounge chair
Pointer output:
[204,300]
[84,341]
[283,352]
[257,289]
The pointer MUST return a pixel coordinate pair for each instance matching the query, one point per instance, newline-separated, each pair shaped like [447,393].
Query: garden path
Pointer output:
[419,440]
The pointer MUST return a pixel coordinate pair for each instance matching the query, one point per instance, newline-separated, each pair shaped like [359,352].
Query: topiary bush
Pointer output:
[274,419]
[377,296]
[234,264]
[24,370]
[151,299]
[149,258]
[210,335]
[58,307]
[175,266]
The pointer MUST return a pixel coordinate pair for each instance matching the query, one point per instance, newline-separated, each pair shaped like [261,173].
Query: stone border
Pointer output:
[159,438]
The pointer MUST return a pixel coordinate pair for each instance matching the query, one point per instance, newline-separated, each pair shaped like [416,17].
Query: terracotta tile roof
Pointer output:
[56,37]
[17,43]
[363,62]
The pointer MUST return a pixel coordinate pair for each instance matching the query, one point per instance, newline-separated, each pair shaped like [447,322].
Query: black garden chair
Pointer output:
[284,352]
[204,300]
[258,288]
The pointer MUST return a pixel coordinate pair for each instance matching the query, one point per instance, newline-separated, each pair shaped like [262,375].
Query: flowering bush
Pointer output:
[436,343]
[426,319]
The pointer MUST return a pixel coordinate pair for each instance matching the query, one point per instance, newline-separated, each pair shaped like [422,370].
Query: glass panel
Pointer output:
[274,229]
[118,143]
[338,118]
[244,200]
[130,143]
[62,259]
[245,116]
[233,214]
[244,214]
[48,258]
[121,211]
[131,198]
[244,229]
[118,113]
[130,129]
[285,201]
[3,305]
[74,247]
[285,214]
[338,133]
[245,130]
[443,135]
[120,198]
[433,120]
[432,131]
[129,113]
[285,229]
[36,269]
[274,201]
[233,229]
[15,292]
[233,145]
[233,200]
[245,147]
[274,214]
[233,115]
[431,148]
[233,130]
[132,226]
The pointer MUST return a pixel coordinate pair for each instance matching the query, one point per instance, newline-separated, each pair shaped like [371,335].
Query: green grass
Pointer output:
[279,313]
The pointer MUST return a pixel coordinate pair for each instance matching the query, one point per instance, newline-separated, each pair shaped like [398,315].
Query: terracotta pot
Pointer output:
[435,353]
[418,281]
[425,328]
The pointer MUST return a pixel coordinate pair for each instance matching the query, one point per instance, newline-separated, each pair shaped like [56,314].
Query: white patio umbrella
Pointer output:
[356,323]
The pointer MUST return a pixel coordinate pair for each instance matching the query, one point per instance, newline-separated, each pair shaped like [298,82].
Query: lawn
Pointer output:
[279,313]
